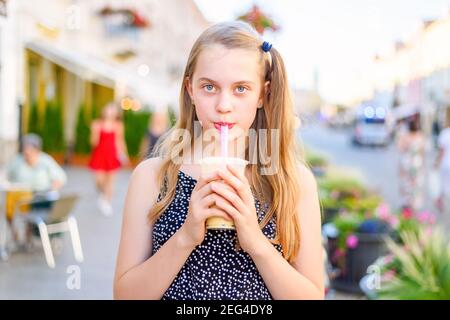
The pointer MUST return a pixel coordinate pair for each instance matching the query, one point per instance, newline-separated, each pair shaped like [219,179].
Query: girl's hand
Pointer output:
[240,205]
[124,159]
[202,197]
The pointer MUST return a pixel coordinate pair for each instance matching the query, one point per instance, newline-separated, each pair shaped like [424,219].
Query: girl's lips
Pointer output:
[218,125]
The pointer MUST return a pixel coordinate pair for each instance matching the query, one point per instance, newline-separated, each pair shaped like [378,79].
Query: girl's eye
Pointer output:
[209,87]
[241,89]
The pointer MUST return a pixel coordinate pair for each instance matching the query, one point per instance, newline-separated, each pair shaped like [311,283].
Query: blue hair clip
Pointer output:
[266,46]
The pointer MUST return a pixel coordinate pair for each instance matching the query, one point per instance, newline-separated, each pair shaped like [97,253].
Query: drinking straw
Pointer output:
[224,140]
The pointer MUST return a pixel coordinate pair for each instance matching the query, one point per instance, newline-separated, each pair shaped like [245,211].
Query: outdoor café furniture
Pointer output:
[9,195]
[54,216]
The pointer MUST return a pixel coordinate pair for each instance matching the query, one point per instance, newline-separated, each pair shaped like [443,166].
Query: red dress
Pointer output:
[104,156]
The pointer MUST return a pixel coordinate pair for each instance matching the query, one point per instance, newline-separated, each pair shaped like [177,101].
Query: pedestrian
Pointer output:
[411,149]
[443,165]
[235,79]
[158,125]
[108,155]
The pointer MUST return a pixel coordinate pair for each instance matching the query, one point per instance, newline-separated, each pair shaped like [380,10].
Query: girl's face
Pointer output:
[110,112]
[226,87]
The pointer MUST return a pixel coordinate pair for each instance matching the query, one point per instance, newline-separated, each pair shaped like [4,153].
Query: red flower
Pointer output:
[407,213]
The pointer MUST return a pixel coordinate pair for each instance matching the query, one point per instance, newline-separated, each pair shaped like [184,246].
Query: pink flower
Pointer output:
[334,194]
[423,216]
[426,217]
[352,241]
[389,275]
[383,211]
[393,221]
[388,259]
[432,219]
[337,254]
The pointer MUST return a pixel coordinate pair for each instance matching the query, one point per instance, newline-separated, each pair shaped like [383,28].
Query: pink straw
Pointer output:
[224,141]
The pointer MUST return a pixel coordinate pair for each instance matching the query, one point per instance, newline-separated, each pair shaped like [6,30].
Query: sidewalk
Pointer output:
[26,275]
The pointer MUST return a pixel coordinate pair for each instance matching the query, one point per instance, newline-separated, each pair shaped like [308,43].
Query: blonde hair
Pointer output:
[282,190]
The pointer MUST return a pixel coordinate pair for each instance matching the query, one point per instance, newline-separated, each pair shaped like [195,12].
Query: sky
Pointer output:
[336,39]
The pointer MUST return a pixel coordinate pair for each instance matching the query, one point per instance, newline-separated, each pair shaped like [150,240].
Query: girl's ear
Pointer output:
[189,87]
[265,92]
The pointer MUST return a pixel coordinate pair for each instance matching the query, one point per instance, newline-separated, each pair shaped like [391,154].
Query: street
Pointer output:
[26,275]
[377,166]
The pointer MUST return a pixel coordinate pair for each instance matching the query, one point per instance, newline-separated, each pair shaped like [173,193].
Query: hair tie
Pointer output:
[266,46]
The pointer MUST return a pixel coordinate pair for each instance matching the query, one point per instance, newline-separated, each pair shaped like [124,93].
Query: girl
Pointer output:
[109,153]
[231,77]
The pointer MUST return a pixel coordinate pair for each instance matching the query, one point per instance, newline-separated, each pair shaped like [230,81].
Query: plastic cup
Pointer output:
[211,164]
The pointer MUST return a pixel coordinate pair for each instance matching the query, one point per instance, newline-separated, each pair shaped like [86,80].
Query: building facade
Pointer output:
[79,54]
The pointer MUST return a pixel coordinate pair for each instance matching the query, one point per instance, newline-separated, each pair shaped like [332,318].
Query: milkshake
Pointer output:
[211,164]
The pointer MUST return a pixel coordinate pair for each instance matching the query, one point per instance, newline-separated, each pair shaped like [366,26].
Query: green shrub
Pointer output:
[83,132]
[136,124]
[53,129]
[34,125]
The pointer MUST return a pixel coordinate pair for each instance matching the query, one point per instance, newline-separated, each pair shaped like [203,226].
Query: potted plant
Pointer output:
[136,124]
[416,269]
[318,162]
[344,194]
[53,132]
[80,154]
[361,239]
[259,20]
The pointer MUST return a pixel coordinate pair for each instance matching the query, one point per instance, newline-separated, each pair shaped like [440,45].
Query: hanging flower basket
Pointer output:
[259,20]
[127,17]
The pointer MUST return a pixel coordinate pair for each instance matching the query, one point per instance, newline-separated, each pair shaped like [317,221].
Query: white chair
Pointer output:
[57,219]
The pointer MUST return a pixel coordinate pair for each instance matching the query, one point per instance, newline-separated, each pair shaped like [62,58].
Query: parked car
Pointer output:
[373,126]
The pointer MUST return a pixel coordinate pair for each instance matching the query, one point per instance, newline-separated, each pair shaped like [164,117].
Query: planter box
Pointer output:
[81,160]
[318,171]
[329,214]
[134,161]
[370,248]
[59,157]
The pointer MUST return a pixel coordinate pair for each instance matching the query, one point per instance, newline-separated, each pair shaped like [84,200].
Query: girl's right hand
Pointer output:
[202,198]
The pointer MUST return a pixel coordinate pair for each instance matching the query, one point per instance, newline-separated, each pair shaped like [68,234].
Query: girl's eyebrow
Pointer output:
[238,82]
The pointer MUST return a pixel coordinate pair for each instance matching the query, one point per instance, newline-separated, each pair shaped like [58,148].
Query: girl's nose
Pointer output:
[224,104]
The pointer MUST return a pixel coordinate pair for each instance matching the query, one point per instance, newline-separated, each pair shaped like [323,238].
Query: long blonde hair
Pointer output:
[282,190]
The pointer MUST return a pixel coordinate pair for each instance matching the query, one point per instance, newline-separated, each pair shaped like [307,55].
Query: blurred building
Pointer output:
[72,54]
[8,83]
[417,73]
[306,101]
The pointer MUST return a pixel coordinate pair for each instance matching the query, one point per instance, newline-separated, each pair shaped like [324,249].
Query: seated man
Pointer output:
[33,170]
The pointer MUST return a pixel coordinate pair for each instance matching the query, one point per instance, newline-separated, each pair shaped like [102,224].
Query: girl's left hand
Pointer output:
[240,205]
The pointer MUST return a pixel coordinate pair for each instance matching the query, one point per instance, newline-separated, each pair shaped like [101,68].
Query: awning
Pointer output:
[85,67]
[147,89]
[405,111]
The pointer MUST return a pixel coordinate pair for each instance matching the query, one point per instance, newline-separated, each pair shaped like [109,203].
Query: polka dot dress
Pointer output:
[215,269]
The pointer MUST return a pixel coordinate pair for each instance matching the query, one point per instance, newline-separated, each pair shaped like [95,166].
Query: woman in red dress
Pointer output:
[108,155]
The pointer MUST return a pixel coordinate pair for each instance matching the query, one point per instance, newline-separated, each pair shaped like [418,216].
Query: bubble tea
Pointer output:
[212,164]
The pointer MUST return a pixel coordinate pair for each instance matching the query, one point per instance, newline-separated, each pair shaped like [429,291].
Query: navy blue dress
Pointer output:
[215,269]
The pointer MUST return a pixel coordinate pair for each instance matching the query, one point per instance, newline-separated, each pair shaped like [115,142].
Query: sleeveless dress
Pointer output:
[104,156]
[411,175]
[215,269]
